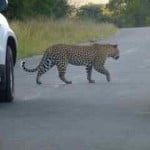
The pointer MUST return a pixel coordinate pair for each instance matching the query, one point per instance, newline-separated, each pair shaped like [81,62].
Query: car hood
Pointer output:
[3,21]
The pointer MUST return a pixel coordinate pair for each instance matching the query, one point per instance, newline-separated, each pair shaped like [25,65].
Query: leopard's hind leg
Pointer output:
[89,74]
[61,67]
[43,68]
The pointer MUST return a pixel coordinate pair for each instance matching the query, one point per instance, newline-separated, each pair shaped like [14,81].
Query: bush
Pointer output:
[147,21]
[20,9]
[91,12]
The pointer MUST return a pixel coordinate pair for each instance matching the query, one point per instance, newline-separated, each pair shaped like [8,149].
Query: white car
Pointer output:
[8,54]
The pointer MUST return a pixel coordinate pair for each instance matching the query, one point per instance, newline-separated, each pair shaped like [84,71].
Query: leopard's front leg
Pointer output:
[104,71]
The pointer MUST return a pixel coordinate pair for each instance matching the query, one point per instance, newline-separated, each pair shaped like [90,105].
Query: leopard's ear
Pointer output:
[115,45]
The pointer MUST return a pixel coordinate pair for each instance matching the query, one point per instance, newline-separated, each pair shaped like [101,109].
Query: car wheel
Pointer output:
[7,94]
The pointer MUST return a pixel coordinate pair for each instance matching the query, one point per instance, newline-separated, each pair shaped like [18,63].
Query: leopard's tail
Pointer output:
[26,69]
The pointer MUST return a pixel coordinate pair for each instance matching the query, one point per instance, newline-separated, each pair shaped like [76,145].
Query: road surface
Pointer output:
[83,116]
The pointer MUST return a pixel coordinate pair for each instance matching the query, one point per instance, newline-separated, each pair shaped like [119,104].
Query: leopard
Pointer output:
[90,56]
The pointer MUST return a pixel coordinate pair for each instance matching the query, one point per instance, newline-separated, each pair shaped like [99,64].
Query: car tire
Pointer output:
[7,95]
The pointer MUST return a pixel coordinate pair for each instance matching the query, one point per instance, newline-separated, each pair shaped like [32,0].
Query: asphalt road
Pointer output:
[83,116]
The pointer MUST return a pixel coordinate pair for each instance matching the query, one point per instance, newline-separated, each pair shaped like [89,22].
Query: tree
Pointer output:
[90,12]
[129,12]
[53,8]
[24,8]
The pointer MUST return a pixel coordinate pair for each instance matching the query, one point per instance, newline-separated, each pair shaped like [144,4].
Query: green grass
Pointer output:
[35,35]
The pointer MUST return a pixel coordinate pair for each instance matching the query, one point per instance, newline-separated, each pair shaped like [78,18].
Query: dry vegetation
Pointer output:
[35,35]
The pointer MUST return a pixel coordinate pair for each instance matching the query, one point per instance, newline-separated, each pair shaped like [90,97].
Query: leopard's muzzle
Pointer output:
[116,57]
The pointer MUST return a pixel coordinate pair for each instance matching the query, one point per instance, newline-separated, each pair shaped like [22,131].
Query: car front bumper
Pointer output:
[2,76]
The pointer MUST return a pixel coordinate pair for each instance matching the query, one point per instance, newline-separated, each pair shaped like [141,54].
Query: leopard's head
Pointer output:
[114,51]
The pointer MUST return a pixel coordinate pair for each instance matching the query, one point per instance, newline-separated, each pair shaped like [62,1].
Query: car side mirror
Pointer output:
[3,4]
